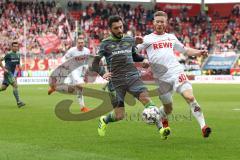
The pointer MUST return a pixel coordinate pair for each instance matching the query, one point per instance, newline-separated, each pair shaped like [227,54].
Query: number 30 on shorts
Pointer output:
[182,78]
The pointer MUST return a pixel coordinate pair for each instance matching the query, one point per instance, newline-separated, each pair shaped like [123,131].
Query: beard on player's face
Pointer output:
[118,35]
[117,29]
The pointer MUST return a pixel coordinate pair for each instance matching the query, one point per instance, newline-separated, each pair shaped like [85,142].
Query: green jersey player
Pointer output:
[12,61]
[119,52]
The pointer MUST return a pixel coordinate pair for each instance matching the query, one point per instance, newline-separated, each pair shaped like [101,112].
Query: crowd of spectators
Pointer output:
[44,18]
[40,19]
[228,39]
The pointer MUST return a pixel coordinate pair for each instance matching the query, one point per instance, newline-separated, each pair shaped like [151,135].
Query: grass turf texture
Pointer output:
[35,133]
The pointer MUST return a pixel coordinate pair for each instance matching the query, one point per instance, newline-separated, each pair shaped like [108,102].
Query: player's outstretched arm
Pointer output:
[1,65]
[196,52]
[141,44]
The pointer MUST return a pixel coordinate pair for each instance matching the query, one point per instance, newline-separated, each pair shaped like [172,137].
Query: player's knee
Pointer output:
[14,85]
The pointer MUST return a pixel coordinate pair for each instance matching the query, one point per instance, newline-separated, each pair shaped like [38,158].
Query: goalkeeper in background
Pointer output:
[12,62]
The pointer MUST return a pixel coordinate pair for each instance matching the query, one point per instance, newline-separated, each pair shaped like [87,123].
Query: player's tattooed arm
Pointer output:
[100,69]
[140,58]
[96,67]
[137,57]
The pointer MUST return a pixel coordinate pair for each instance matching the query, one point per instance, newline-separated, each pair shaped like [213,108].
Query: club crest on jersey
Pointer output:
[159,45]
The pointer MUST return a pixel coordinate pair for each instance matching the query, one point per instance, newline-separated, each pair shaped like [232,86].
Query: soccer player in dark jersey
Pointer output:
[12,61]
[119,52]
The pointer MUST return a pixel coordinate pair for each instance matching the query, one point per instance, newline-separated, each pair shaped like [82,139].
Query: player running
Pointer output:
[76,75]
[12,62]
[168,72]
[123,76]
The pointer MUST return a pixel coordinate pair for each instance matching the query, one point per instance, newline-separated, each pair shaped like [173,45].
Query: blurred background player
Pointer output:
[119,50]
[168,72]
[12,62]
[75,77]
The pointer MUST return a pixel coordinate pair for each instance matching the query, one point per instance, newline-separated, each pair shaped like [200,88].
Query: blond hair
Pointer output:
[160,13]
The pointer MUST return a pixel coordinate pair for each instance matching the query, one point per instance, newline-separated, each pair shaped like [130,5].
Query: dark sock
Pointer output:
[110,118]
[15,93]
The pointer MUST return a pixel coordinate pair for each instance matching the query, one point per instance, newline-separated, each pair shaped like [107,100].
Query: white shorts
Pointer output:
[178,82]
[75,77]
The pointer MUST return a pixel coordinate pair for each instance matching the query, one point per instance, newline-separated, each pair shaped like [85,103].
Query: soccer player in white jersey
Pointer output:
[75,76]
[168,72]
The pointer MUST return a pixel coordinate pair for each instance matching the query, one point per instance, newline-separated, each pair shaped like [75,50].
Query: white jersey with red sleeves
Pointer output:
[160,51]
[76,76]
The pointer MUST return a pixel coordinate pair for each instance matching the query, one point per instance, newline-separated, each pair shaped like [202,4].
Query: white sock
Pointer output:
[66,88]
[197,113]
[159,123]
[162,113]
[80,99]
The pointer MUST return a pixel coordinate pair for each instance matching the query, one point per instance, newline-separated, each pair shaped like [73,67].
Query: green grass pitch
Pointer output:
[35,133]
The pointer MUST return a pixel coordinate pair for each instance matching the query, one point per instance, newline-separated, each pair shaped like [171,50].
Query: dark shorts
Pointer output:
[119,88]
[8,79]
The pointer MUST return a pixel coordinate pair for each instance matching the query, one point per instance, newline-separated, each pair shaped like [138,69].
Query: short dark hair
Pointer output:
[160,13]
[14,42]
[112,19]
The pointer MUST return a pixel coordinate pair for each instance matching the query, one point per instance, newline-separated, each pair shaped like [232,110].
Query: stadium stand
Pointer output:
[47,19]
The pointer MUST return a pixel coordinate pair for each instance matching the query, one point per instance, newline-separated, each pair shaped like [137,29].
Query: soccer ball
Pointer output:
[150,115]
